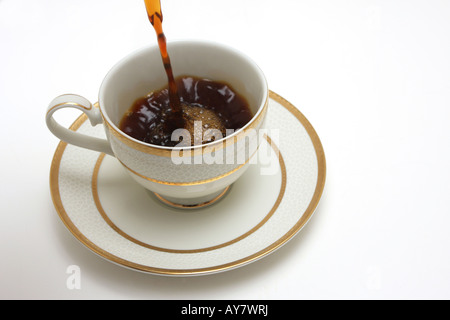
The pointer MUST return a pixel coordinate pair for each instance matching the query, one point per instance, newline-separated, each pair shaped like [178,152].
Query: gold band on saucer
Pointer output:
[149,246]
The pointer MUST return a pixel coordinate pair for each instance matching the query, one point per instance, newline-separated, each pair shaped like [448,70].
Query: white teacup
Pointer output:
[181,176]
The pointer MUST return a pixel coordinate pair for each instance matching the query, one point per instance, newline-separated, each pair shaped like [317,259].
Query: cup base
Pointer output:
[194,203]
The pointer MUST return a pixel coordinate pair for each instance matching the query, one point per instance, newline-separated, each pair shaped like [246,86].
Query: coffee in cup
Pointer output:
[206,105]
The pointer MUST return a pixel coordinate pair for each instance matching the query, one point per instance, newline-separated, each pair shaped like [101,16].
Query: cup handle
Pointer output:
[72,137]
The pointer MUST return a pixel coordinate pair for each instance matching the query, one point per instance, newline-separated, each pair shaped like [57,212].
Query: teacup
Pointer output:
[181,176]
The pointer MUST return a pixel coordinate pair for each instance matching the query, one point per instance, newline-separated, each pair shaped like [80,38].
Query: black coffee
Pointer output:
[216,104]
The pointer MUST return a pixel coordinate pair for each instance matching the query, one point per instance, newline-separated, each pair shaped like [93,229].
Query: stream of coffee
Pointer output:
[156,18]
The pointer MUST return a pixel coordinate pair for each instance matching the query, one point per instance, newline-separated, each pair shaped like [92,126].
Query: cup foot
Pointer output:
[195,203]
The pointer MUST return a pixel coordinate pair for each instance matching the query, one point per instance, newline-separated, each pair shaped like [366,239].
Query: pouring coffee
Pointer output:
[198,105]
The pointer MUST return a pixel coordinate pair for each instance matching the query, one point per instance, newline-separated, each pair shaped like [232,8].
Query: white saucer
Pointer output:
[122,222]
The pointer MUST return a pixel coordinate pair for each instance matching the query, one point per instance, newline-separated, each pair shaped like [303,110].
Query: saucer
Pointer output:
[128,225]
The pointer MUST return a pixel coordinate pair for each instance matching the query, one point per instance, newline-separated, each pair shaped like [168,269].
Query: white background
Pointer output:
[373,77]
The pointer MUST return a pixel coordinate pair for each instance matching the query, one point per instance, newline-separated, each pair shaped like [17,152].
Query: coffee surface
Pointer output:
[212,104]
